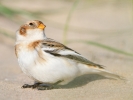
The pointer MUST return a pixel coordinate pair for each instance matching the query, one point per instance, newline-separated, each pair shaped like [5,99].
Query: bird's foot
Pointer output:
[41,86]
[45,86]
[31,86]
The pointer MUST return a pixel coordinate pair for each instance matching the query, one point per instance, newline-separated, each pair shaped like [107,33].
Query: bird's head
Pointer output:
[32,30]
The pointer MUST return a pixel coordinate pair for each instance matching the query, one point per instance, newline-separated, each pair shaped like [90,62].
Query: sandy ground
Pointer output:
[101,22]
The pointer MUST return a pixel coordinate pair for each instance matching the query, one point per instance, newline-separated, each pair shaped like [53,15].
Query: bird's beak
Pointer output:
[41,26]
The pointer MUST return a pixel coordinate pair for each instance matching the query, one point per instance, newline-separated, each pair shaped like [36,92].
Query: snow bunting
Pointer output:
[49,62]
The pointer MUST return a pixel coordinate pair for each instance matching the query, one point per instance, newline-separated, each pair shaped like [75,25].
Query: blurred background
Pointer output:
[90,22]
[101,30]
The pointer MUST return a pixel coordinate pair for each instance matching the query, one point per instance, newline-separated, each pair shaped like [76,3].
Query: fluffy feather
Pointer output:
[49,61]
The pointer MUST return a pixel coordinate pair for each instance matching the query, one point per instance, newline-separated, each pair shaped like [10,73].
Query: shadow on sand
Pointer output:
[81,81]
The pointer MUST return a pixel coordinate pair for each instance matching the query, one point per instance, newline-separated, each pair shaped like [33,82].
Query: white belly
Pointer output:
[51,70]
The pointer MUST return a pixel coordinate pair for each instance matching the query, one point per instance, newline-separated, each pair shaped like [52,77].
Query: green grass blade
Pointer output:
[68,20]
[10,13]
[7,34]
[105,47]
[7,11]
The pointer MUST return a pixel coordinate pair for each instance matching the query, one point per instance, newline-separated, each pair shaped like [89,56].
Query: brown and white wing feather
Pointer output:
[57,49]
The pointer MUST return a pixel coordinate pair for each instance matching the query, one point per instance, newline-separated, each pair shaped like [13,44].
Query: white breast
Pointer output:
[51,70]
[26,60]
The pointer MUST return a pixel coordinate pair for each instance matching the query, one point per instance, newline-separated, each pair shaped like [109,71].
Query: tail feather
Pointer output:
[98,70]
[111,75]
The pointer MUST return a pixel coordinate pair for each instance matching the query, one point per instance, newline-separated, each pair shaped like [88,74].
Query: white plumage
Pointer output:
[47,61]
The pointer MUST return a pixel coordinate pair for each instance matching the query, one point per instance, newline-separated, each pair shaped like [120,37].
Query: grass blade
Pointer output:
[104,47]
[7,34]
[68,20]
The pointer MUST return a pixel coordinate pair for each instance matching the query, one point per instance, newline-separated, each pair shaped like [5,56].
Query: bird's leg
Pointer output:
[45,86]
[31,86]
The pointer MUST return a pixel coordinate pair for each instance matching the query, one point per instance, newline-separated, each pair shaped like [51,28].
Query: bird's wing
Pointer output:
[57,49]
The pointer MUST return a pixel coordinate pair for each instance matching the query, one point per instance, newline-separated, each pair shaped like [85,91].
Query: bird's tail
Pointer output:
[110,75]
[98,69]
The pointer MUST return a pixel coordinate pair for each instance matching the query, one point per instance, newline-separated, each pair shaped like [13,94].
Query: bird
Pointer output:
[49,62]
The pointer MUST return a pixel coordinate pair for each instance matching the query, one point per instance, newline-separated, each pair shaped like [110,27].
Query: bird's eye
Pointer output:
[31,24]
